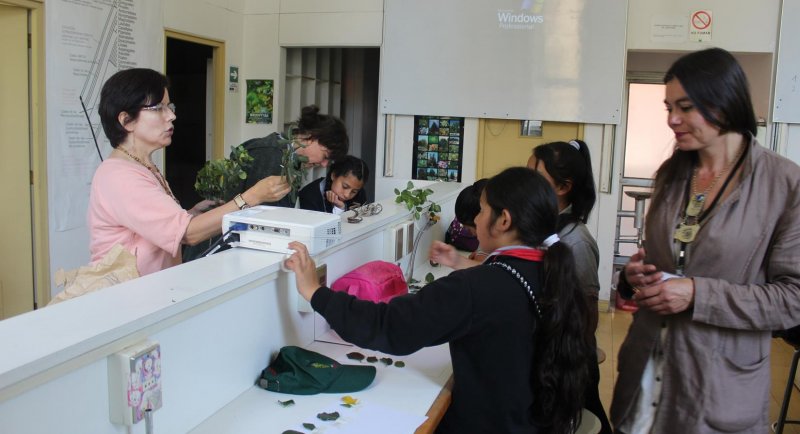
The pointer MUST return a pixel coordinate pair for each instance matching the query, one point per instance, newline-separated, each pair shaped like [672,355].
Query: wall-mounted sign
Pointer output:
[668,28]
[258,102]
[233,79]
[438,148]
[700,25]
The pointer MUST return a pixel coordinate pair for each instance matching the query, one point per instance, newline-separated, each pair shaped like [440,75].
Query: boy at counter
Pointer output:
[516,324]
[342,188]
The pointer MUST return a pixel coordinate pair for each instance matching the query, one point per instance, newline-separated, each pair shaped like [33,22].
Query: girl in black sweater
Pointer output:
[516,324]
[343,187]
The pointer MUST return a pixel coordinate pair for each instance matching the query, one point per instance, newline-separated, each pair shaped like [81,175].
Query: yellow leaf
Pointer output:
[349,400]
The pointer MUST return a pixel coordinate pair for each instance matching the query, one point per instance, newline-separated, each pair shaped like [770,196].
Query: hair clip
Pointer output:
[549,241]
[575,144]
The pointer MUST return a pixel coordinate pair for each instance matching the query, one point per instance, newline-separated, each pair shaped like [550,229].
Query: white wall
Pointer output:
[737,25]
[403,146]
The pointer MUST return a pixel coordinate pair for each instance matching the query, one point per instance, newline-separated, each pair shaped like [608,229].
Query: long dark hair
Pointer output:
[350,164]
[560,370]
[568,164]
[717,86]
[468,202]
[328,130]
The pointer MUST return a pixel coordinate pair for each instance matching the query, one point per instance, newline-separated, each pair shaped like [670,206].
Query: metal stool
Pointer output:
[792,337]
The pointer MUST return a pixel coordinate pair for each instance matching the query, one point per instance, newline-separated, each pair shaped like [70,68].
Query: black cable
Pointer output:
[91,128]
[218,243]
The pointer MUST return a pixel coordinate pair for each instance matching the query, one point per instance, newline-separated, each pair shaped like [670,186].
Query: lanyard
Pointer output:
[682,247]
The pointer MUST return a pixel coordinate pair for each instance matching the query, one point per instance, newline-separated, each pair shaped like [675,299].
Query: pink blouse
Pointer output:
[127,205]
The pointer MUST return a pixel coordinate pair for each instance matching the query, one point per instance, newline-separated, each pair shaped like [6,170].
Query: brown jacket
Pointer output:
[745,263]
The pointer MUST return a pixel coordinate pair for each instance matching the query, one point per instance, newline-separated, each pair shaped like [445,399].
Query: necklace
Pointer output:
[688,228]
[154,170]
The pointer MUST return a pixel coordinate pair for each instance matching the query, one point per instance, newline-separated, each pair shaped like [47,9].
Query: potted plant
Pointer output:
[416,201]
[220,180]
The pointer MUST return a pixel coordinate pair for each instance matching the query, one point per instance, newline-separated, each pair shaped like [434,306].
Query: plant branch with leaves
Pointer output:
[293,165]
[220,180]
[416,201]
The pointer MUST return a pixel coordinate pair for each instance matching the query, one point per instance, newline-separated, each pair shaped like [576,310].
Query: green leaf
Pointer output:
[396,191]
[429,278]
[410,185]
[328,416]
[221,179]
[309,426]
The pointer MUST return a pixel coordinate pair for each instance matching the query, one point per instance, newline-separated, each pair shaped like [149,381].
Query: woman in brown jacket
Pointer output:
[720,269]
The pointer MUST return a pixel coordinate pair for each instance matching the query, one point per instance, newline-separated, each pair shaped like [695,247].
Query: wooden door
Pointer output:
[16,249]
[501,144]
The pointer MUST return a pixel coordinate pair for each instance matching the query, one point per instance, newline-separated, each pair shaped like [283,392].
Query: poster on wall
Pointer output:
[438,148]
[258,103]
[87,41]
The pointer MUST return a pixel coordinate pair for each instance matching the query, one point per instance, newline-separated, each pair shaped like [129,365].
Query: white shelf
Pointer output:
[313,76]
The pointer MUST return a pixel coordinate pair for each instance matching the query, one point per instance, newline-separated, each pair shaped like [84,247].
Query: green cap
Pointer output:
[302,372]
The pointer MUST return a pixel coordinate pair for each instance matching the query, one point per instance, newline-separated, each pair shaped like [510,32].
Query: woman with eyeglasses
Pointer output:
[131,203]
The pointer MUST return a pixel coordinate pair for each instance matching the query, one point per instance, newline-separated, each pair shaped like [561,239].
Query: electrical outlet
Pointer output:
[393,242]
[409,244]
[134,382]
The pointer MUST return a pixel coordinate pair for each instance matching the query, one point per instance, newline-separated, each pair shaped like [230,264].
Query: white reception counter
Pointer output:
[219,321]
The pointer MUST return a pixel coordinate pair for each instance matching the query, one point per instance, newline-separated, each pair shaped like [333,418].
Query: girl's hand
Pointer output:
[305,270]
[334,199]
[444,254]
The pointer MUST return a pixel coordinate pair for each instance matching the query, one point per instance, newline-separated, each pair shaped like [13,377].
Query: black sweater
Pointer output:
[485,315]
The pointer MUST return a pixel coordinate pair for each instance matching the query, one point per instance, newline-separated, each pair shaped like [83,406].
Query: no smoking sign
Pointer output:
[700,26]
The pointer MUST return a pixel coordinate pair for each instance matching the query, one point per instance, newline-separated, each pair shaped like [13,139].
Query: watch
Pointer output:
[240,202]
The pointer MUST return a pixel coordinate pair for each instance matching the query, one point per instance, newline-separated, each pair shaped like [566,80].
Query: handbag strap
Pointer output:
[516,274]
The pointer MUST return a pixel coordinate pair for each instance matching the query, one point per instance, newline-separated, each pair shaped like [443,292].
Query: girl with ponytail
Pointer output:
[567,166]
[516,324]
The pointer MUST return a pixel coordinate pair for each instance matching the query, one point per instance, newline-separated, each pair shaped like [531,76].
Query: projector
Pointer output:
[271,228]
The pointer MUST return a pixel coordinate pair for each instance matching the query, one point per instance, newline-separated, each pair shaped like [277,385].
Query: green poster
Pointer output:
[258,104]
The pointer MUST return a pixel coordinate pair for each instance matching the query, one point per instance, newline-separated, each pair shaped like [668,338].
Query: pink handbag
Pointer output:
[376,281]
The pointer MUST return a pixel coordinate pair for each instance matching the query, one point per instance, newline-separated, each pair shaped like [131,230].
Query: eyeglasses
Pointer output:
[160,107]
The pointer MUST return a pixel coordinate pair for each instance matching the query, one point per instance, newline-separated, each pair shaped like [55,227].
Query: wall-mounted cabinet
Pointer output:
[313,76]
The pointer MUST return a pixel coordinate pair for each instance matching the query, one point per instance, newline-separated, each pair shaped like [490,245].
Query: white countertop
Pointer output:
[402,394]
[62,336]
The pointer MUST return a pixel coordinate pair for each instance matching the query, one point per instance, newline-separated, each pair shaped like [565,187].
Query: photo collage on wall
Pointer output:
[438,148]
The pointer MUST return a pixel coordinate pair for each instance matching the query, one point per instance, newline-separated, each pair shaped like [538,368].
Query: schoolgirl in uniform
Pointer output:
[343,187]
[516,324]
